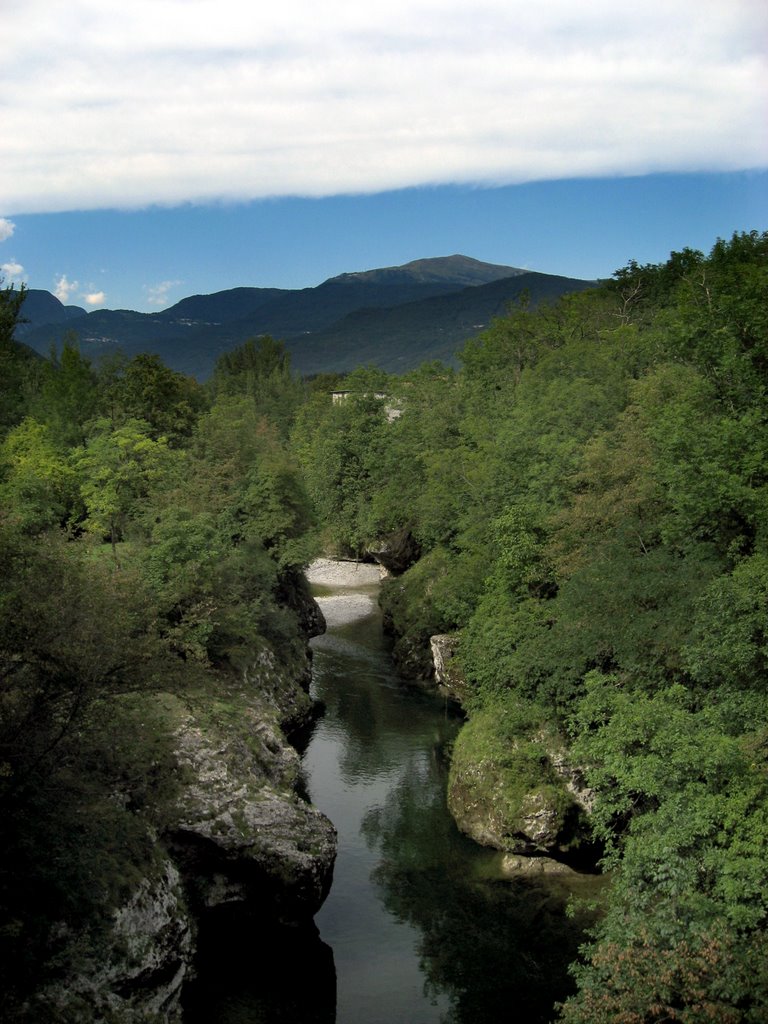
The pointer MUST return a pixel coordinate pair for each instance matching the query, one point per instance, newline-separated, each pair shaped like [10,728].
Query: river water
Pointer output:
[419,927]
[422,928]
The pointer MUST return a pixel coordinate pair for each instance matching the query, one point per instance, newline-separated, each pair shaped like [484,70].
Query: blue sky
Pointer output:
[149,259]
[166,148]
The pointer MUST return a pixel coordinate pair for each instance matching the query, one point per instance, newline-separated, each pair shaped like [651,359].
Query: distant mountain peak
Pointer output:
[458,270]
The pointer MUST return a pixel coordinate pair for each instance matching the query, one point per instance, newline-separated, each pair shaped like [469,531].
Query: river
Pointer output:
[418,927]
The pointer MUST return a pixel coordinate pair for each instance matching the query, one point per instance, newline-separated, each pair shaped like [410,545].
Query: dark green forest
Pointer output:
[584,506]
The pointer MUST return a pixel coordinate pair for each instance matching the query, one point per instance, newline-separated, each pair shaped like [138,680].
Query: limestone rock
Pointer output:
[514,866]
[396,552]
[239,831]
[572,776]
[449,680]
[275,694]
[143,963]
[508,788]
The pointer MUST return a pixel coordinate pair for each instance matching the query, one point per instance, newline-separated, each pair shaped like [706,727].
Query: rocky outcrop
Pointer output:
[232,832]
[571,775]
[411,654]
[511,787]
[239,831]
[141,966]
[448,678]
[396,552]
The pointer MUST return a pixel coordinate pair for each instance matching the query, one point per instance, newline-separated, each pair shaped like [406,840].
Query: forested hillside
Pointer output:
[588,498]
[394,317]
[151,611]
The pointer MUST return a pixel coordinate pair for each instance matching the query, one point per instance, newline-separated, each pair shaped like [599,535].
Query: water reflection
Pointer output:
[252,974]
[498,949]
[421,931]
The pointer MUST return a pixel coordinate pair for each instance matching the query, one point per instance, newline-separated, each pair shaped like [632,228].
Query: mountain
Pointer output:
[42,309]
[453,270]
[393,317]
[435,328]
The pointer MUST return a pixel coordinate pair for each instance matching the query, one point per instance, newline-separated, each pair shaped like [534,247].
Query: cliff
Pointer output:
[235,832]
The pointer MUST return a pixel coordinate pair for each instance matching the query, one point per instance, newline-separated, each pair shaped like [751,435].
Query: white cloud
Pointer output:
[7,227]
[12,270]
[224,101]
[63,288]
[157,294]
[94,298]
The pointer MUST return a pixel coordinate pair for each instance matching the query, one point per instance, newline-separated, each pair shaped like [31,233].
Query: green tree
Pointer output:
[339,445]
[683,807]
[143,388]
[38,486]
[117,470]
[67,397]
[261,369]
[16,361]
[84,765]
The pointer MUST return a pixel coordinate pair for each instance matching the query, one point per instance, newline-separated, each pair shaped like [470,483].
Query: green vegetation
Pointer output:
[586,507]
[589,494]
[149,533]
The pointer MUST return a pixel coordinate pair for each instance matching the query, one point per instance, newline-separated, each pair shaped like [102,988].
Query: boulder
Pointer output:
[508,788]
[239,831]
[396,552]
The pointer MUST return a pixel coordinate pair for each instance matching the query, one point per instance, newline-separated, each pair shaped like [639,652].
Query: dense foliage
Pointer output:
[149,531]
[589,494]
[585,504]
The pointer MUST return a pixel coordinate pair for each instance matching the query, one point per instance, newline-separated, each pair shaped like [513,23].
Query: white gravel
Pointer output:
[327,572]
[350,589]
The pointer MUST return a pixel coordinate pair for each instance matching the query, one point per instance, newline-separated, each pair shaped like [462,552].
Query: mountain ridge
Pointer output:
[393,317]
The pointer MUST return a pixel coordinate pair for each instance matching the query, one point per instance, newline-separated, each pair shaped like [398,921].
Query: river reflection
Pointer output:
[417,928]
[421,931]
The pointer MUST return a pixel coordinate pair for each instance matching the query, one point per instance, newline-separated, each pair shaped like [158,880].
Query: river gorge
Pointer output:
[419,925]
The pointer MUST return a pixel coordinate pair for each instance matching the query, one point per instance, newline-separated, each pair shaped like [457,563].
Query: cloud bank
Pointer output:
[173,101]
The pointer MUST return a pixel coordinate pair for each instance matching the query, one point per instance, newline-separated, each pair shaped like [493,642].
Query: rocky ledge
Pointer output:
[512,787]
[239,831]
[234,832]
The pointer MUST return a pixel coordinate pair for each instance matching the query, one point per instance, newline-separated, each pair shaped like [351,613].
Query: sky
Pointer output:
[163,148]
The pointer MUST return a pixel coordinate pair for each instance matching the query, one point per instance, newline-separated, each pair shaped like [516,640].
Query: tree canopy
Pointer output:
[590,497]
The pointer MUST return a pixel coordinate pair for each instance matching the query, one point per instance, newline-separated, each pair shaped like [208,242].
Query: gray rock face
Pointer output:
[448,678]
[235,831]
[141,970]
[540,820]
[239,832]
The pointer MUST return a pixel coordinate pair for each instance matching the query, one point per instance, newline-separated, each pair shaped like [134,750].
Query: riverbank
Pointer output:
[345,591]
